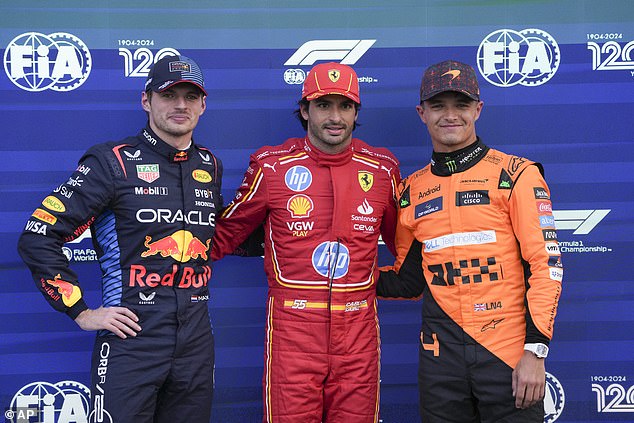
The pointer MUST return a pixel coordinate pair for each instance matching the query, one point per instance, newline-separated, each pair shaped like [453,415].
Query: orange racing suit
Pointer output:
[322,217]
[476,238]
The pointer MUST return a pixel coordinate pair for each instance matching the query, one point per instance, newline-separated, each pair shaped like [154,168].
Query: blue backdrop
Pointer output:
[557,80]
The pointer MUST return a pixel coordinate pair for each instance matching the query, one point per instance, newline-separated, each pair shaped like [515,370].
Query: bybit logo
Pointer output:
[529,57]
[37,62]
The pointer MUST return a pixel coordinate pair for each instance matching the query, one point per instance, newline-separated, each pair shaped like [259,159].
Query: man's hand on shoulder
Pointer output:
[118,320]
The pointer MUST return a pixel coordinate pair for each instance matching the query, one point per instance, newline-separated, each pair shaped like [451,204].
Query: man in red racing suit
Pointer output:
[323,199]
[476,238]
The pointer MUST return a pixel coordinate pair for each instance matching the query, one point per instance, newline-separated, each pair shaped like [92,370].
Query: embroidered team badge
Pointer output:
[366,180]
[148,172]
[334,75]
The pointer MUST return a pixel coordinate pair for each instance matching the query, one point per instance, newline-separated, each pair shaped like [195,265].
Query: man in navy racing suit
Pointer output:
[151,202]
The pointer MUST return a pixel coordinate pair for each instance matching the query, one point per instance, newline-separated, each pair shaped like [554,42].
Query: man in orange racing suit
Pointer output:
[324,199]
[476,238]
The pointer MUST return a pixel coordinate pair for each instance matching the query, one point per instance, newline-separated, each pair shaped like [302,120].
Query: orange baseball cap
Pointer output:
[331,78]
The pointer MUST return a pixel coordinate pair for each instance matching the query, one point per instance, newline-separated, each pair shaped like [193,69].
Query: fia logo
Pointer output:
[38,62]
[528,57]
[554,399]
[45,402]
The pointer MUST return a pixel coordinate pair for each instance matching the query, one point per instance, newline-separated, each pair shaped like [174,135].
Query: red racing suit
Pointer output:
[476,237]
[322,217]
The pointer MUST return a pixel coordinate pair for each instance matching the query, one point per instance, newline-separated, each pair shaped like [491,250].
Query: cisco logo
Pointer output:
[37,62]
[529,57]
[346,52]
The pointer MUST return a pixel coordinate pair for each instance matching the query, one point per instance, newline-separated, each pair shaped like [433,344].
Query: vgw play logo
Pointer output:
[528,57]
[37,62]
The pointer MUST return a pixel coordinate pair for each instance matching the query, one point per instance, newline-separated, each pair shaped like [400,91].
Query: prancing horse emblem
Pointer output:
[366,180]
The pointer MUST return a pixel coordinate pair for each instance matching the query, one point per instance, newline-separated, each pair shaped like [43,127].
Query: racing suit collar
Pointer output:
[444,164]
[324,159]
[156,143]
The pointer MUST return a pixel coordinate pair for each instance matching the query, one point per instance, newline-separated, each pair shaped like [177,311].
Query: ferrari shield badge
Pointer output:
[366,180]
[334,75]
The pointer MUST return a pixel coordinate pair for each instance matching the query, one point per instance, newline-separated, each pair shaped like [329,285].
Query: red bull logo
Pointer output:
[165,247]
[197,249]
[181,156]
[181,246]
[70,293]
[140,277]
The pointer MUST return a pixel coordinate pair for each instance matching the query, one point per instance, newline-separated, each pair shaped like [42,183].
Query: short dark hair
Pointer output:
[304,122]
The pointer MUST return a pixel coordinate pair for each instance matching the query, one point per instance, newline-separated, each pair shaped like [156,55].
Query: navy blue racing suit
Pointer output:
[152,210]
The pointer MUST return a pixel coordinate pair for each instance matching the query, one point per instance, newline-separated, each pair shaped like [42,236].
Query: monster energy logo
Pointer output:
[451,165]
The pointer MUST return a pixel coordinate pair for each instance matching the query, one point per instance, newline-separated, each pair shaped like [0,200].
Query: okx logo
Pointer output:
[529,57]
[38,62]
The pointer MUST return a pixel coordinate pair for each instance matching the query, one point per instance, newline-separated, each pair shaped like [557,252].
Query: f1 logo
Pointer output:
[581,221]
[347,52]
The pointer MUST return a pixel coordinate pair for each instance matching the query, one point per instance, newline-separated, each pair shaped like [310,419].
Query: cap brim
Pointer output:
[347,94]
[435,93]
[184,82]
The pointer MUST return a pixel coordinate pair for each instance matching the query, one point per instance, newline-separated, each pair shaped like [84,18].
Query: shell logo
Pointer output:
[52,203]
[300,206]
[201,176]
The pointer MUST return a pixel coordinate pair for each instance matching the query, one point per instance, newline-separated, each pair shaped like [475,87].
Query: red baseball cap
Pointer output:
[331,78]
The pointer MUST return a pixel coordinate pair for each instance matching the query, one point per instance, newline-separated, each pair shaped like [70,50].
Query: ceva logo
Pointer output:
[37,62]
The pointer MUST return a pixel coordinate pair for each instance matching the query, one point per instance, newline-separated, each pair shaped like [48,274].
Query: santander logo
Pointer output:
[365,208]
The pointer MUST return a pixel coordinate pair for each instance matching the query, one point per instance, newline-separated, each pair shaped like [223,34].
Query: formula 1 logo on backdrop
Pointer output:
[346,52]
[37,62]
[528,57]
[580,221]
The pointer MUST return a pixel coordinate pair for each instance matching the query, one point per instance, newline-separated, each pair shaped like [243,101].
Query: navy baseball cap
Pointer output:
[172,70]
[449,75]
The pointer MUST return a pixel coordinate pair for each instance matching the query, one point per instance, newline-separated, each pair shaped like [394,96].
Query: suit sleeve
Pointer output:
[533,224]
[405,279]
[390,216]
[240,223]
[63,216]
